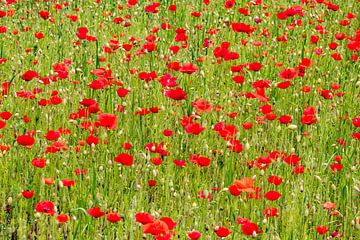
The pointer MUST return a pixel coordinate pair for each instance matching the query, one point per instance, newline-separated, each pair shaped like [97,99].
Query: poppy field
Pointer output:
[177,119]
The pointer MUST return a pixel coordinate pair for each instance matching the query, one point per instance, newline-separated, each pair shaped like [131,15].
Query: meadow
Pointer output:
[177,119]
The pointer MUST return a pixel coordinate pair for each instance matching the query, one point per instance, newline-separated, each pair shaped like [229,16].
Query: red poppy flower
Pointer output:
[292,159]
[232,114]
[354,46]
[38,162]
[247,125]
[288,74]
[285,119]
[308,116]
[249,228]
[333,45]
[222,232]
[147,76]
[152,8]
[322,229]
[241,220]
[44,14]
[283,85]
[328,205]
[270,116]
[122,92]
[201,105]
[227,131]
[144,218]
[185,120]
[180,163]
[46,207]
[95,212]
[97,84]
[5,115]
[336,56]
[142,112]
[239,79]
[68,183]
[25,140]
[200,160]
[275,180]
[350,15]
[29,75]
[172,8]
[87,102]
[244,11]
[341,142]
[156,227]
[2,124]
[82,32]
[229,4]
[126,146]
[261,83]
[132,2]
[203,161]
[235,146]
[305,62]
[234,190]
[113,217]
[154,109]
[272,195]
[47,181]
[79,171]
[314,39]
[92,140]
[243,185]
[168,132]
[254,66]
[108,121]
[335,86]
[356,135]
[356,122]
[188,68]
[242,27]
[271,212]
[3,29]
[39,35]
[52,135]
[168,81]
[336,167]
[265,108]
[28,193]
[206,2]
[156,161]
[125,159]
[169,222]
[57,146]
[152,183]
[176,94]
[62,218]
[194,235]
[337,158]
[173,66]
[194,128]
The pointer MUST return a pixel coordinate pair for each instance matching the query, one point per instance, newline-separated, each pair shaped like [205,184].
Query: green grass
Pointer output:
[125,190]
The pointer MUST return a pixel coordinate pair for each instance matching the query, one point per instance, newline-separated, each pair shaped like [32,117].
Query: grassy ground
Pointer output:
[118,188]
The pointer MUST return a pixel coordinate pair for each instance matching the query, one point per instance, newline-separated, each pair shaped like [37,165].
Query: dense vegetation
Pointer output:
[179,119]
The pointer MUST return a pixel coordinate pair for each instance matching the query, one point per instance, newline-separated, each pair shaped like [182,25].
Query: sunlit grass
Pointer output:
[196,198]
